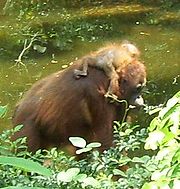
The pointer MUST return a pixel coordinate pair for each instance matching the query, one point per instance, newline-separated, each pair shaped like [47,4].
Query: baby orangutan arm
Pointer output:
[113,88]
[86,61]
[79,73]
[102,63]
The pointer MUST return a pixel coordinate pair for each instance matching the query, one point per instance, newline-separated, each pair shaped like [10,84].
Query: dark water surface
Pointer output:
[160,47]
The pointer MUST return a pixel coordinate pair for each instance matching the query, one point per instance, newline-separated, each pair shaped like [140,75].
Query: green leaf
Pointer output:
[62,177]
[172,106]
[25,164]
[154,139]
[175,119]
[73,172]
[162,153]
[172,102]
[83,150]
[143,159]
[67,176]
[151,112]
[18,128]
[177,95]
[93,145]
[137,160]
[156,175]
[176,171]
[168,114]
[119,172]
[153,124]
[151,185]
[3,111]
[39,48]
[90,181]
[77,141]
[80,177]
[176,157]
[128,131]
[176,184]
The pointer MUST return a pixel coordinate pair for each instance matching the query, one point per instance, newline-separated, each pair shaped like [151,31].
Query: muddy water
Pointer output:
[160,52]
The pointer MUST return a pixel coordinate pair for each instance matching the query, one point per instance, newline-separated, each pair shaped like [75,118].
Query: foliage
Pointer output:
[60,24]
[57,28]
[121,167]
[81,143]
[24,164]
[164,135]
[95,171]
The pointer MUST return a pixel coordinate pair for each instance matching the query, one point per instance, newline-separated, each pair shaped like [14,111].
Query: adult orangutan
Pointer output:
[59,106]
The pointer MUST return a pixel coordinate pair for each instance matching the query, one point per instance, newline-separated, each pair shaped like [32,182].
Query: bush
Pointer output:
[164,137]
[111,169]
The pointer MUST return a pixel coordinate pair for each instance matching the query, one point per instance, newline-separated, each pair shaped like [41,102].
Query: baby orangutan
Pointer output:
[110,59]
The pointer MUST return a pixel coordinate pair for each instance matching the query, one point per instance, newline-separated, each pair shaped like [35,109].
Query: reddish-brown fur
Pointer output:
[60,106]
[110,59]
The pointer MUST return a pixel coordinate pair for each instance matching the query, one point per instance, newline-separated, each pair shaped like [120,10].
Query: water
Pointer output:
[160,52]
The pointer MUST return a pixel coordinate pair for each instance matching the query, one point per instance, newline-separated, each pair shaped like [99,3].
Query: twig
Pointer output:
[19,61]
[115,99]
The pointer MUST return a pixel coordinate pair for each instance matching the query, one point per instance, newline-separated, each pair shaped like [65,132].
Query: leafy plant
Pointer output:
[95,171]
[164,137]
[81,143]
[118,167]
[25,164]
[73,174]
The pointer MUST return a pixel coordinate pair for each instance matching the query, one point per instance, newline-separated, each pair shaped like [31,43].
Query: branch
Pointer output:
[113,99]
[26,47]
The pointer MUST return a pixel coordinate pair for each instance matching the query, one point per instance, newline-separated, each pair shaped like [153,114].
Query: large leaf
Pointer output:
[25,164]
[119,172]
[78,142]
[67,176]
[154,139]
[90,181]
[83,150]
[177,95]
[176,184]
[93,145]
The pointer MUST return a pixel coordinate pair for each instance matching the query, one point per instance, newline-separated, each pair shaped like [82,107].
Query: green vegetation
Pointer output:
[56,25]
[164,135]
[147,158]
[54,169]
